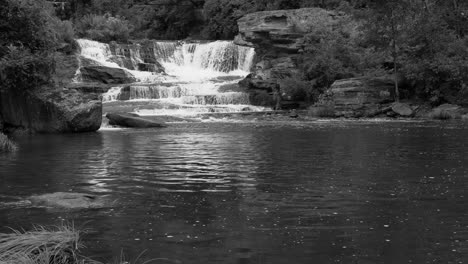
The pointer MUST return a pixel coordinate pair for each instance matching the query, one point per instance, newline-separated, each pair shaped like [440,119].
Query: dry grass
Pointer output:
[6,145]
[59,245]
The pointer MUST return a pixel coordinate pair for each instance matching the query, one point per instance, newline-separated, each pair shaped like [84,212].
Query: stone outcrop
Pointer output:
[107,75]
[51,110]
[130,120]
[69,200]
[358,92]
[282,30]
[279,38]
[357,97]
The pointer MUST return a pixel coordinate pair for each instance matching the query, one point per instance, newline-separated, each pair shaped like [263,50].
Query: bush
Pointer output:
[63,30]
[27,43]
[298,90]
[440,114]
[104,28]
[6,145]
[21,69]
[322,111]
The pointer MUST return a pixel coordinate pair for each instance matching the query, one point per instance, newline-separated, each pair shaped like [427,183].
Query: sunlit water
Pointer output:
[318,192]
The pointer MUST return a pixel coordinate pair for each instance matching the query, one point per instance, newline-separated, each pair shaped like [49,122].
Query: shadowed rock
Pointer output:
[51,110]
[67,200]
[106,75]
[128,120]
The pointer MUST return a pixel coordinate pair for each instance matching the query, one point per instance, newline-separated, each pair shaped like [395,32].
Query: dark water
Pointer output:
[324,192]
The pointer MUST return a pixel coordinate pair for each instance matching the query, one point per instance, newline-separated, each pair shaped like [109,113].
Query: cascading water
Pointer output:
[188,76]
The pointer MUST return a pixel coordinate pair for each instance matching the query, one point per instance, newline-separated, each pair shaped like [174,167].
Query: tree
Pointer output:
[27,44]
[386,23]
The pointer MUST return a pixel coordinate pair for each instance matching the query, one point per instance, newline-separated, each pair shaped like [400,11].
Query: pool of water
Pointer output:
[256,192]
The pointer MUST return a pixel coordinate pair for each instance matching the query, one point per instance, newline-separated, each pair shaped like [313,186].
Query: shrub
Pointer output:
[298,90]
[104,28]
[22,70]
[6,145]
[63,30]
[322,111]
[444,115]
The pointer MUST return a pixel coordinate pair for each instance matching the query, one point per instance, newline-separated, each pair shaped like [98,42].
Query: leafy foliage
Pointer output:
[104,28]
[27,43]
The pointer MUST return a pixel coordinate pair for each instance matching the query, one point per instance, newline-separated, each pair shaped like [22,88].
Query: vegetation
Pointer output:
[41,246]
[423,42]
[27,43]
[6,145]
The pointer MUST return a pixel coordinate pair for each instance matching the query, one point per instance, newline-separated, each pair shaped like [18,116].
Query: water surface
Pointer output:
[317,192]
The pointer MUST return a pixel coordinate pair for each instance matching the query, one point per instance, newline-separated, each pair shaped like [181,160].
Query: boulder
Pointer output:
[68,200]
[128,120]
[402,109]
[107,75]
[51,110]
[360,92]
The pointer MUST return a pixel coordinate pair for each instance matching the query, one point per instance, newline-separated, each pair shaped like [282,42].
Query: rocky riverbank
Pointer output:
[282,38]
[51,108]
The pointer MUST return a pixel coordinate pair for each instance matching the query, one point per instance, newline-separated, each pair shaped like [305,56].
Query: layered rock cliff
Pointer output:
[280,38]
[52,108]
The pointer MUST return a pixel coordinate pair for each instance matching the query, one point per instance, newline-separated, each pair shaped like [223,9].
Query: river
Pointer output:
[255,192]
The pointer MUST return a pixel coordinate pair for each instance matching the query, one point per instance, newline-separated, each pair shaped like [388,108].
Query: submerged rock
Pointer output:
[129,120]
[68,200]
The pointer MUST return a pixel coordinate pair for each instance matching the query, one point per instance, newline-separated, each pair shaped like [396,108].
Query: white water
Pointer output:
[193,73]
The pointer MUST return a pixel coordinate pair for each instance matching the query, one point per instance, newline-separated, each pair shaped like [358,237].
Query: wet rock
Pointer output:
[402,109]
[151,67]
[68,200]
[127,120]
[106,75]
[51,110]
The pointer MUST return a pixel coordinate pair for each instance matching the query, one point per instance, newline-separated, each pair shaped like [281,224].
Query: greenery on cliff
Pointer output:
[424,42]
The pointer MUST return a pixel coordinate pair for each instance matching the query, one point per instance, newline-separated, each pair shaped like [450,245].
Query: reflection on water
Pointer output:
[322,192]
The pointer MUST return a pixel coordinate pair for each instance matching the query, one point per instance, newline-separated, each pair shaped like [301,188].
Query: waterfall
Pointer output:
[188,73]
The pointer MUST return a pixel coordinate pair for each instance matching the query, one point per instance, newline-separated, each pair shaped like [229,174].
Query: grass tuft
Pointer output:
[6,145]
[58,245]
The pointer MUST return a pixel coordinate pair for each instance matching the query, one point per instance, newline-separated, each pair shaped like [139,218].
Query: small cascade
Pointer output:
[175,73]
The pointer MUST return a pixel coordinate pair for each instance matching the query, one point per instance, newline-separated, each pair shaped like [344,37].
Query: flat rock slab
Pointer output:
[129,120]
[68,200]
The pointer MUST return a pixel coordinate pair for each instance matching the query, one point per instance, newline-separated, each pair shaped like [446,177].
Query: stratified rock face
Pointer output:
[356,93]
[282,29]
[106,75]
[128,120]
[279,39]
[51,110]
[65,200]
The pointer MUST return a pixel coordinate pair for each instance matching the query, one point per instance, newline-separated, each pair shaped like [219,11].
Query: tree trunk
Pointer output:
[395,59]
